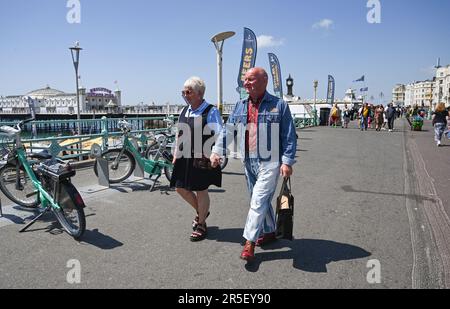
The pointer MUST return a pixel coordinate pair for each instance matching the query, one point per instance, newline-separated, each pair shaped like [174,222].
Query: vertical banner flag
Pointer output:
[330,92]
[248,59]
[276,75]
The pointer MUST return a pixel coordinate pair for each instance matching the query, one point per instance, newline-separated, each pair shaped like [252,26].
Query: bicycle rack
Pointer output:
[1,211]
[102,166]
[103,172]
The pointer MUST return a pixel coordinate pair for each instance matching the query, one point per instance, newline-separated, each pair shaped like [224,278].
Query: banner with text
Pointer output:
[276,75]
[330,92]
[248,59]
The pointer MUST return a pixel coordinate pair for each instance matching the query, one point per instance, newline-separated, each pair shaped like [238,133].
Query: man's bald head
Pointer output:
[256,80]
[260,72]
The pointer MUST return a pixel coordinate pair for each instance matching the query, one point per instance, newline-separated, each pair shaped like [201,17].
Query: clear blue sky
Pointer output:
[152,47]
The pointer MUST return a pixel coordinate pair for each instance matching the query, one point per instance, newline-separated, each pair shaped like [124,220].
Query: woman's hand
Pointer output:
[215,160]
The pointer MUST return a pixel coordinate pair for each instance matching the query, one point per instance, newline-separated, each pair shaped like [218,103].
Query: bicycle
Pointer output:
[44,184]
[122,160]
[164,144]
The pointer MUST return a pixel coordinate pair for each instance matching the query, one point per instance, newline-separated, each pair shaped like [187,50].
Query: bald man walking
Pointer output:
[267,145]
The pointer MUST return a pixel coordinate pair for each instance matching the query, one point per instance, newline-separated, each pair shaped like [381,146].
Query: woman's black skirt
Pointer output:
[191,178]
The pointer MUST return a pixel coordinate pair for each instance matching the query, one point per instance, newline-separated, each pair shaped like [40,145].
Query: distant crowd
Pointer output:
[380,117]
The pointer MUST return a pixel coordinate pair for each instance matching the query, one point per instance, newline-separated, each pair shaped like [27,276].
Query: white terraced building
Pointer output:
[426,93]
[420,93]
[442,85]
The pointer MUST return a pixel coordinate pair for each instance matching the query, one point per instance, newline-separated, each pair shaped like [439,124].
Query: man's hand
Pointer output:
[286,171]
[215,160]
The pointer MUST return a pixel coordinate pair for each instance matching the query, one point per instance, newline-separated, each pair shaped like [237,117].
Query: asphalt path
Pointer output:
[370,213]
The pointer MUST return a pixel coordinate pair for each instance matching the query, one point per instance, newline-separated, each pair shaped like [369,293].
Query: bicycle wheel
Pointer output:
[123,170]
[24,195]
[168,172]
[71,214]
[151,151]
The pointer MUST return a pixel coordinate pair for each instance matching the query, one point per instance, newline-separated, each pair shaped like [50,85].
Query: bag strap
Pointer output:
[285,182]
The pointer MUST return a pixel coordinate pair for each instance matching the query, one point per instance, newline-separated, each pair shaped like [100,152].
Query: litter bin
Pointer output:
[324,116]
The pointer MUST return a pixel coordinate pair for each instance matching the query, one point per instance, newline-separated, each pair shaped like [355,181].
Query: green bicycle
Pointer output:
[122,161]
[46,182]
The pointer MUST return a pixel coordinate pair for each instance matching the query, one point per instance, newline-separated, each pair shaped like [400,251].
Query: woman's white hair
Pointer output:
[196,84]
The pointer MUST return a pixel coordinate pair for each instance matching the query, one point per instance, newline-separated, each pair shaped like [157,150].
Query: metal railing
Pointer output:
[79,146]
[304,120]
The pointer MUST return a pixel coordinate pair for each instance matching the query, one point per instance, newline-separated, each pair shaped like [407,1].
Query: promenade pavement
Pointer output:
[371,212]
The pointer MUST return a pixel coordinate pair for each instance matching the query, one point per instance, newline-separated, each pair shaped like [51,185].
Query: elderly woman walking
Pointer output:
[193,174]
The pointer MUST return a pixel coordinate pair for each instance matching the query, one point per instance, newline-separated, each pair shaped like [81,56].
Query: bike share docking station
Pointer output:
[103,172]
[102,166]
[102,169]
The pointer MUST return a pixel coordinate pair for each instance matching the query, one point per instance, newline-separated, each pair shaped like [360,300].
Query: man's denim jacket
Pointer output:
[274,118]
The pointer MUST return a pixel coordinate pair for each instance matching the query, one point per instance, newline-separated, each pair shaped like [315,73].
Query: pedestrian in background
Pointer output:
[364,115]
[346,116]
[390,113]
[439,122]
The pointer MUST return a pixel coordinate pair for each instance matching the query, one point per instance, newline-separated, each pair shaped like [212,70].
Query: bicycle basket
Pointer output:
[56,169]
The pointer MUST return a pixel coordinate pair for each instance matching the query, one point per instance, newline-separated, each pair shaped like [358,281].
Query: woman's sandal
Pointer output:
[195,221]
[200,233]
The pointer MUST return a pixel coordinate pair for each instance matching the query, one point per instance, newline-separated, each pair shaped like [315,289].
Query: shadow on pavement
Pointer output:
[233,174]
[225,235]
[419,198]
[309,255]
[100,240]
[134,187]
[14,219]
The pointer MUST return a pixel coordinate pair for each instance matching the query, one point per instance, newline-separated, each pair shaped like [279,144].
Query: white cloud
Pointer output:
[323,24]
[268,41]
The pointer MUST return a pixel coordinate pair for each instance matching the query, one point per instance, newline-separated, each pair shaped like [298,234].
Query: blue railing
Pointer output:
[106,134]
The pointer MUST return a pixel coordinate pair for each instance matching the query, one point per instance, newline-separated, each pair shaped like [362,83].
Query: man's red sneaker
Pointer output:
[248,254]
[266,239]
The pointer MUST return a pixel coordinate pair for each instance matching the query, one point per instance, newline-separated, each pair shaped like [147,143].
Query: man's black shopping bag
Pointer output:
[285,211]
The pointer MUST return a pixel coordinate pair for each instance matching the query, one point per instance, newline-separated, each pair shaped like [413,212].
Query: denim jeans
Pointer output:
[364,123]
[262,179]
[439,129]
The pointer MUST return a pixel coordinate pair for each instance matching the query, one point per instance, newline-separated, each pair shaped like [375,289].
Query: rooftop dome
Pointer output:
[45,92]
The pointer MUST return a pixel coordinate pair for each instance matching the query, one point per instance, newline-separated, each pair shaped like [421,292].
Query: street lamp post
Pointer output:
[316,83]
[218,41]
[75,51]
